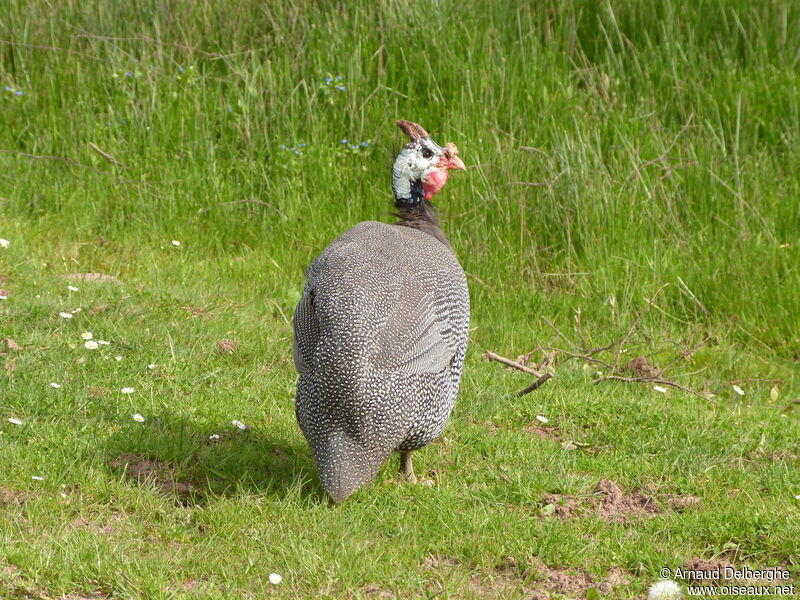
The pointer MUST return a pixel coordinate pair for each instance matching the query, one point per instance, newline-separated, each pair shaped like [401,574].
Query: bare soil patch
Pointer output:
[377,592]
[545,432]
[13,497]
[105,527]
[160,474]
[611,504]
[534,580]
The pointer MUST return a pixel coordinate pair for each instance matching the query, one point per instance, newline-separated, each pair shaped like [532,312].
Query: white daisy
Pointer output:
[65,315]
[738,390]
[659,388]
[117,358]
[176,243]
[275,579]
[214,437]
[127,390]
[151,366]
[542,419]
[55,385]
[77,310]
[90,345]
[37,477]
[238,424]
[4,243]
[103,342]
[138,418]
[3,297]
[87,335]
[72,288]
[14,420]
[666,589]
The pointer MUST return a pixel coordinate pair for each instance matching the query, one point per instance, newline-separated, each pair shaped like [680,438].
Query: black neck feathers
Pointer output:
[420,215]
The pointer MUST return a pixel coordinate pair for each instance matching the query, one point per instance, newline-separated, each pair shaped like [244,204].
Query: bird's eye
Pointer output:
[427,153]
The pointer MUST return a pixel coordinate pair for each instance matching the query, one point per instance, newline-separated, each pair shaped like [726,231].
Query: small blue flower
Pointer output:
[341,88]
[344,141]
[365,144]
[181,69]
[282,146]
[354,147]
[108,123]
[8,89]
[230,109]
[18,92]
[128,74]
[301,145]
[328,80]
[296,151]
[339,78]
[123,121]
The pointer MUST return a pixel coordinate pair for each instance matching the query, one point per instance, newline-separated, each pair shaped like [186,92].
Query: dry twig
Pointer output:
[541,377]
[534,386]
[105,155]
[489,355]
[652,380]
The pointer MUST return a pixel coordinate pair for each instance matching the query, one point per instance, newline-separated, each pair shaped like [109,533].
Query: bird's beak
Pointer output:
[453,162]
[456,164]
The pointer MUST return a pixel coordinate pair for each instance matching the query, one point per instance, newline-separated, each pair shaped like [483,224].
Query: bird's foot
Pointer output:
[406,468]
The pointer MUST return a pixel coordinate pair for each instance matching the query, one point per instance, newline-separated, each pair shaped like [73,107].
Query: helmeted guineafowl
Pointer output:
[380,332]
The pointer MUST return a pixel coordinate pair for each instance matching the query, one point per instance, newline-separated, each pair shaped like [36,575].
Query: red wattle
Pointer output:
[433,183]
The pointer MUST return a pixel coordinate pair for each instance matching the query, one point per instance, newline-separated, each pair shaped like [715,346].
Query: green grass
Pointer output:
[663,139]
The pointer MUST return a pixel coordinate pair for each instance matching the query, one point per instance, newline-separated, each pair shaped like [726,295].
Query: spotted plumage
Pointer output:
[381,331]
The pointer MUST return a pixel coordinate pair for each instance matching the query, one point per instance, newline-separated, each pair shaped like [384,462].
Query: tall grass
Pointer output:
[638,143]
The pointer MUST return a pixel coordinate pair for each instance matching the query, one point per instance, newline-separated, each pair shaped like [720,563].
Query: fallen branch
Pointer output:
[489,355]
[534,386]
[587,357]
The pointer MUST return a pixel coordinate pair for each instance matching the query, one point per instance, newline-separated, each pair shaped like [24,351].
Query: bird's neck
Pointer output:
[419,215]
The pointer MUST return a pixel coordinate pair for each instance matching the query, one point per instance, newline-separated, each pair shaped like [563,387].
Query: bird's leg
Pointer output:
[406,468]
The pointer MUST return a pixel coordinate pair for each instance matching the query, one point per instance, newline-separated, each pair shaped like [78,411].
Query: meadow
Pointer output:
[169,169]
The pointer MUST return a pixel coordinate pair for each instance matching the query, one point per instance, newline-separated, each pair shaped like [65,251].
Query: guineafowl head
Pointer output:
[421,168]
